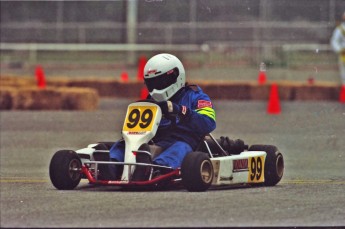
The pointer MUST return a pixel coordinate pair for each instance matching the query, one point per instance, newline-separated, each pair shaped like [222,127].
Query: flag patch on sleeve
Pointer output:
[204,103]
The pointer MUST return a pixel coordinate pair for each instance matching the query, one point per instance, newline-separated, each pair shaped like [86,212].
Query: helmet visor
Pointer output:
[162,81]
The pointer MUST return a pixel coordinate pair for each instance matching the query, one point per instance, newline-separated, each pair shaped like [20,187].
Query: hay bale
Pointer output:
[33,98]
[7,98]
[129,90]
[315,92]
[233,91]
[262,92]
[58,82]
[11,81]
[259,92]
[110,87]
[79,98]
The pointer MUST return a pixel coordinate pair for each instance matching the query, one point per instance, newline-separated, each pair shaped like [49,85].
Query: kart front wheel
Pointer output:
[274,163]
[65,170]
[197,172]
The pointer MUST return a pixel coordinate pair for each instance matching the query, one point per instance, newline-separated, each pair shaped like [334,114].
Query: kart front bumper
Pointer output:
[90,170]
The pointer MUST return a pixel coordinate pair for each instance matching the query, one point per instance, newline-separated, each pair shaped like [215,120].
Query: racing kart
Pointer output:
[215,163]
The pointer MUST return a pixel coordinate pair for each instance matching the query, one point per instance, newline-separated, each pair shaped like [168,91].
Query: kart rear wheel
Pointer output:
[274,163]
[65,170]
[197,172]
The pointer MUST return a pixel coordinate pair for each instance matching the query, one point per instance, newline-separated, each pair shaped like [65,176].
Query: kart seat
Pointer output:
[223,147]
[208,145]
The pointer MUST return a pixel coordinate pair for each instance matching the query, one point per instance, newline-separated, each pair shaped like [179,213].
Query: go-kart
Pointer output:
[215,163]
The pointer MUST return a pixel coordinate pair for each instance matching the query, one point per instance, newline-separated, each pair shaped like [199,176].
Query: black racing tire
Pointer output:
[197,172]
[65,170]
[274,163]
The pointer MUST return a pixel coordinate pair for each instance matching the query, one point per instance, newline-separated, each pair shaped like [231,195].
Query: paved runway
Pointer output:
[311,193]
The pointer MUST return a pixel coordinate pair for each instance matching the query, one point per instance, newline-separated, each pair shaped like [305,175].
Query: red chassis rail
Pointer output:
[85,170]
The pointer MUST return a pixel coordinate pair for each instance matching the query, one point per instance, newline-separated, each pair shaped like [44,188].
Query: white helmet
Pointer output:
[164,75]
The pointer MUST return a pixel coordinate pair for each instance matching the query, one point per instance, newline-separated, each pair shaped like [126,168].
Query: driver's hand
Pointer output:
[170,108]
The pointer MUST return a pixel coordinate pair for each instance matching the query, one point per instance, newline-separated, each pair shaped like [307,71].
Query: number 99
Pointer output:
[134,117]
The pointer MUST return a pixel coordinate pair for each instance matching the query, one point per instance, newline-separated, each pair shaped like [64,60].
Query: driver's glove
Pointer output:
[170,108]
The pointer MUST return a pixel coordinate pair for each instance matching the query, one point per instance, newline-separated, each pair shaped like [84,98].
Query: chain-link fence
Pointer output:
[286,34]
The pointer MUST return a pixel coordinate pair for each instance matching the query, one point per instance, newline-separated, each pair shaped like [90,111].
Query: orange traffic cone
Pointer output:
[124,77]
[274,103]
[311,80]
[342,94]
[144,93]
[40,77]
[141,66]
[262,73]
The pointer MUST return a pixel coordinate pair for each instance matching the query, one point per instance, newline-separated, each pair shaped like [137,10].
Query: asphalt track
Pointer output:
[311,193]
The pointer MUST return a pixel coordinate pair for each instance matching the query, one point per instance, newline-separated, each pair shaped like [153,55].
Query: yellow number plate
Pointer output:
[140,118]
[256,168]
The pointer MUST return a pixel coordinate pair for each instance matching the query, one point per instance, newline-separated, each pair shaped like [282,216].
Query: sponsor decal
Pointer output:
[184,110]
[240,165]
[136,132]
[204,103]
[151,71]
[225,178]
[118,182]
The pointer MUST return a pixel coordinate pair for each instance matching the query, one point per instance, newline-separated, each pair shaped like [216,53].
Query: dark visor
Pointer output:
[162,81]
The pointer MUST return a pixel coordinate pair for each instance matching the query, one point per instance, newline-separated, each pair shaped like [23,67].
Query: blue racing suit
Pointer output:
[197,118]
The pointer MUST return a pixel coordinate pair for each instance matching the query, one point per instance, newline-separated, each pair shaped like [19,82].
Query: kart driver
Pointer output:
[192,109]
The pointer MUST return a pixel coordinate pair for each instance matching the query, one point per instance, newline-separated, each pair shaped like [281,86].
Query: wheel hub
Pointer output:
[74,169]
[206,171]
[280,165]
